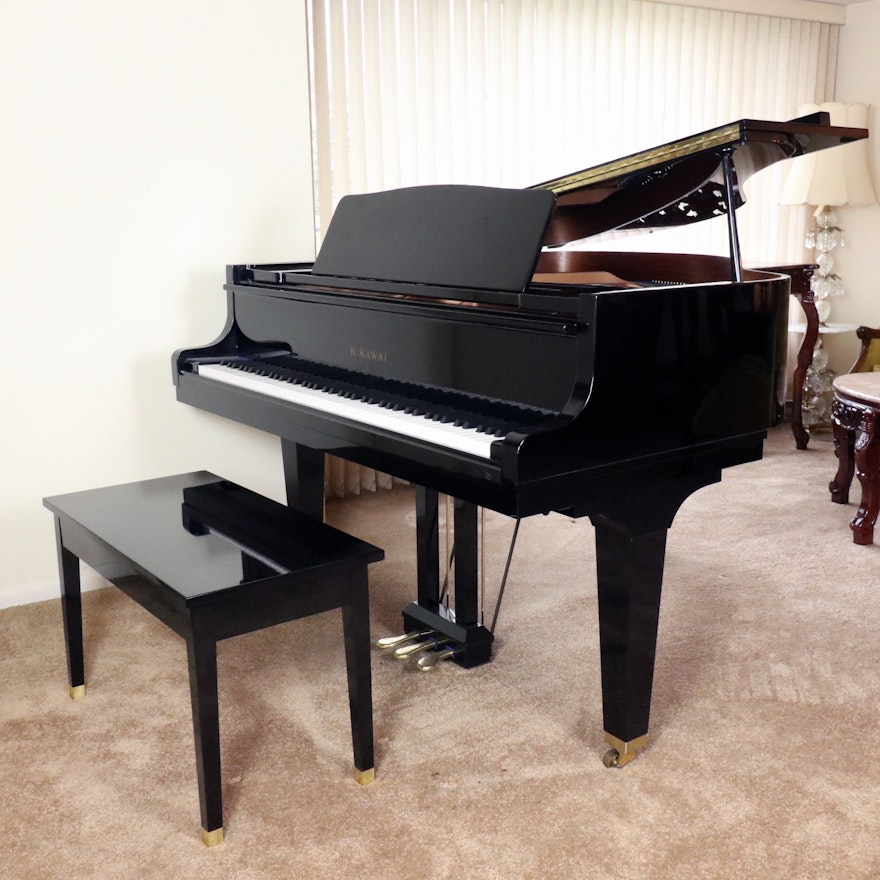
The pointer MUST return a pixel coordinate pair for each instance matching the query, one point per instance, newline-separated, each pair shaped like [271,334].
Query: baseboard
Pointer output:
[9,598]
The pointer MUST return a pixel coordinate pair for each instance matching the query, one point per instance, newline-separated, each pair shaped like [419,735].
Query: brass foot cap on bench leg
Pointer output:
[212,838]
[365,777]
[621,752]
[78,692]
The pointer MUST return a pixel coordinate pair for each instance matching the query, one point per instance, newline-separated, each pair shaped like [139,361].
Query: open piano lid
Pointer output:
[684,181]
[482,244]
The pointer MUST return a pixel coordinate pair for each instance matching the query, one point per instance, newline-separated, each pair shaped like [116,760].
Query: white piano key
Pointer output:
[467,440]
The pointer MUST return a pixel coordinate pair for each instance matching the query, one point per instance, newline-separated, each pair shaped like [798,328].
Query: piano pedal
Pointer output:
[389,642]
[432,661]
[407,651]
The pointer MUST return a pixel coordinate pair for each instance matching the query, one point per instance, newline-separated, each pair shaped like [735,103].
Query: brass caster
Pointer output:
[621,753]
[611,758]
[78,692]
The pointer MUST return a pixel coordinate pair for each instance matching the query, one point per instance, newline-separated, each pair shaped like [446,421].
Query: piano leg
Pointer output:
[427,547]
[471,640]
[467,575]
[303,478]
[630,554]
[630,575]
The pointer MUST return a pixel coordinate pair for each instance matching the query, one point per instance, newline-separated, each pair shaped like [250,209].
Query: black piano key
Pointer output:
[445,406]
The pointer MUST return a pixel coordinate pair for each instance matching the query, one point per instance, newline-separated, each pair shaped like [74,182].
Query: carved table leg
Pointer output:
[844,441]
[804,360]
[867,460]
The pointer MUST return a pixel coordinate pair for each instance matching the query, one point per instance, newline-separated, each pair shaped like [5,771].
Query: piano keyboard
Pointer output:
[469,440]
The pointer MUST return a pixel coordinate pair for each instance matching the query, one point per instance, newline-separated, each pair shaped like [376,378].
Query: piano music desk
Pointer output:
[212,560]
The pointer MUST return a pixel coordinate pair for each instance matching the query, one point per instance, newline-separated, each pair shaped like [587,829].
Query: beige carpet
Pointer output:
[764,759]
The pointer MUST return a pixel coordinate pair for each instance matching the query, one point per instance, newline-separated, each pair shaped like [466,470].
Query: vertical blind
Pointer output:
[514,92]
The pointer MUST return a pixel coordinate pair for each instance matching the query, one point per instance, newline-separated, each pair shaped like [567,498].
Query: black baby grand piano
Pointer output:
[439,337]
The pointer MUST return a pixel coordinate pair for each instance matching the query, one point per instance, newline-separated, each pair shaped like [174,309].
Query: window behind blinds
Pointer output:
[514,92]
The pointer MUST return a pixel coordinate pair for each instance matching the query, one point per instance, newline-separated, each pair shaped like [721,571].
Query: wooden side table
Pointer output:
[212,560]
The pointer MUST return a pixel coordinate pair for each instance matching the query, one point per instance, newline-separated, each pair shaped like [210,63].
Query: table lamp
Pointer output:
[827,179]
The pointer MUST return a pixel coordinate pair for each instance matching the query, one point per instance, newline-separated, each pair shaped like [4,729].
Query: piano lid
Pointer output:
[681,182]
[482,244]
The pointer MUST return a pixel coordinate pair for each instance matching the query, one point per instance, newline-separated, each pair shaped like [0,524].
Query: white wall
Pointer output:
[858,80]
[143,147]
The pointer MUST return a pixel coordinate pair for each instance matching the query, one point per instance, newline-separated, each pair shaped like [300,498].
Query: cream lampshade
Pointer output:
[839,176]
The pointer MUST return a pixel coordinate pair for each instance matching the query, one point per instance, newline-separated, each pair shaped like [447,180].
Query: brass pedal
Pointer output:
[388,642]
[411,650]
[432,661]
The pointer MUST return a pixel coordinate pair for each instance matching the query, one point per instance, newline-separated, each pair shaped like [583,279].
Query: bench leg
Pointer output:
[867,455]
[356,627]
[844,441]
[71,610]
[202,655]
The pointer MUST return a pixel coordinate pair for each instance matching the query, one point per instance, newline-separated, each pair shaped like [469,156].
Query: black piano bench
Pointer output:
[212,560]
